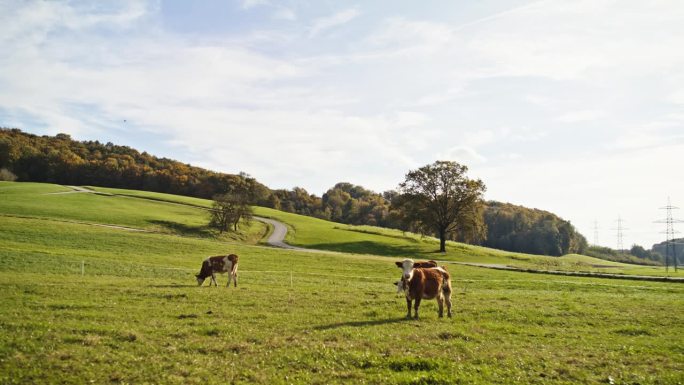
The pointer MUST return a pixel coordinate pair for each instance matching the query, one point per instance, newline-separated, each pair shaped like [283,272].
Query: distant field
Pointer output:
[319,234]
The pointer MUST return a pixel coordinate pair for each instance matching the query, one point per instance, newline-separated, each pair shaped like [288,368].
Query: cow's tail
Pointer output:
[446,281]
[234,258]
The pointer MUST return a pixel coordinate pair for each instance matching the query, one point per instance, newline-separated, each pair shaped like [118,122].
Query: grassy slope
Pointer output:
[319,234]
[137,316]
[37,200]
[155,196]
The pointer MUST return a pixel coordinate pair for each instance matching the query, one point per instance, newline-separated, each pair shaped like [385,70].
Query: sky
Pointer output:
[575,107]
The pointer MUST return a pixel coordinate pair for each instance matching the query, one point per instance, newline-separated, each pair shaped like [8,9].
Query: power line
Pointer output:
[596,237]
[620,229]
[670,248]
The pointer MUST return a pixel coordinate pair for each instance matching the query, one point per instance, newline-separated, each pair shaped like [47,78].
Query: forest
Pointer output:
[60,159]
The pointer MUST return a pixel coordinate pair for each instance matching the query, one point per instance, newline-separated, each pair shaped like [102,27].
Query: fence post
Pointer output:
[82,268]
[289,292]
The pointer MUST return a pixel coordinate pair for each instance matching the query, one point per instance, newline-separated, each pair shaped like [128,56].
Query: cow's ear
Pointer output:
[399,264]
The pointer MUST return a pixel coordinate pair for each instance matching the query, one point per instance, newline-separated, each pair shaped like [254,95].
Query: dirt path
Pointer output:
[277,237]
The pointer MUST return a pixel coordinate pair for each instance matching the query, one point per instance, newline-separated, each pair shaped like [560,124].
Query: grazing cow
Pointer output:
[218,264]
[425,283]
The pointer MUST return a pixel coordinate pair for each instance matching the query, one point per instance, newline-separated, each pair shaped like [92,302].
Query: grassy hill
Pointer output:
[137,316]
[319,234]
[53,202]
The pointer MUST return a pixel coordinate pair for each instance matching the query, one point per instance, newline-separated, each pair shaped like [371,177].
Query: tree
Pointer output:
[228,209]
[442,199]
[7,175]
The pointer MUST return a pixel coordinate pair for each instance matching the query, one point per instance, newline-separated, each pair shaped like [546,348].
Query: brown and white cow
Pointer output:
[218,264]
[420,283]
[421,264]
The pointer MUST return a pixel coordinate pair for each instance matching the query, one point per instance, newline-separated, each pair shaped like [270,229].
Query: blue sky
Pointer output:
[572,107]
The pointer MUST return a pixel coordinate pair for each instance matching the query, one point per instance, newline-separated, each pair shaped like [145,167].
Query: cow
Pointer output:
[423,264]
[420,283]
[218,264]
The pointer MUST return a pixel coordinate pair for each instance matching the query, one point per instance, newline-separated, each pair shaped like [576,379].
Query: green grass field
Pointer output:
[137,316]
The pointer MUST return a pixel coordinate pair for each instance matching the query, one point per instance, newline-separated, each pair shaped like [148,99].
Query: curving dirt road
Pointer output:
[278,235]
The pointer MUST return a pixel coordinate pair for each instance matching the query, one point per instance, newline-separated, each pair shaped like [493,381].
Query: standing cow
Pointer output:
[218,264]
[420,283]
[423,264]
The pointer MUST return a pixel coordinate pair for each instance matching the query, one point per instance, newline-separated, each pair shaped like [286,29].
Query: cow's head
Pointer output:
[406,267]
[200,280]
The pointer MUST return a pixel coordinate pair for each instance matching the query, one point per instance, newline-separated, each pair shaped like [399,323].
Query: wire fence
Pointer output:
[284,277]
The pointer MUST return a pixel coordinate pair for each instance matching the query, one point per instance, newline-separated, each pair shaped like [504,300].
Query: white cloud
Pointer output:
[662,132]
[340,18]
[581,116]
[403,119]
[402,36]
[284,13]
[677,96]
[247,4]
[463,155]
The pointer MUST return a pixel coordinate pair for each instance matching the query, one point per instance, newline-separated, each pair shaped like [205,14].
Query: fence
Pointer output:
[274,277]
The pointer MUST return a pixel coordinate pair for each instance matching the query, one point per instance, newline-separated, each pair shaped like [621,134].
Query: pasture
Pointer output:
[137,316]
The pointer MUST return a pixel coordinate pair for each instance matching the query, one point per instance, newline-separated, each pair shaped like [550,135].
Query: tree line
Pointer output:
[459,213]
[59,159]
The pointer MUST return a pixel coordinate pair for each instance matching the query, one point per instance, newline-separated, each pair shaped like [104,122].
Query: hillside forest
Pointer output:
[60,159]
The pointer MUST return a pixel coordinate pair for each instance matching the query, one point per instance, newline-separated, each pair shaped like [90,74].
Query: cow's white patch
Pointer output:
[407,269]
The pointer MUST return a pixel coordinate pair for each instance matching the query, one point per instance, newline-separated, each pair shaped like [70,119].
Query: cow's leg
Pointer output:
[408,306]
[447,299]
[415,308]
[213,279]
[229,277]
[440,304]
[235,278]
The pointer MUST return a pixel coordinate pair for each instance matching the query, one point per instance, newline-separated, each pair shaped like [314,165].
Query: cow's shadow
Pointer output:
[361,323]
